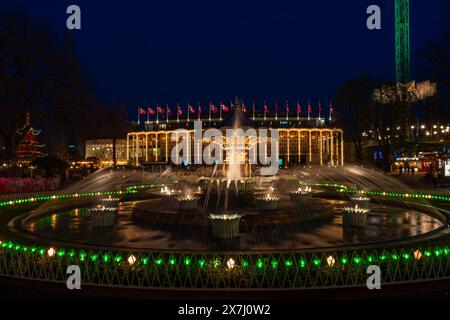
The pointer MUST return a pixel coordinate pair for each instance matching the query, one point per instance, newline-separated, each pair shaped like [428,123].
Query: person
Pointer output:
[407,169]
[401,169]
[435,177]
[413,170]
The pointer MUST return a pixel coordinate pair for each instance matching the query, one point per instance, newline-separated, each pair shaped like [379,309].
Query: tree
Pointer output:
[374,111]
[49,164]
[391,118]
[24,48]
[435,60]
[115,124]
[353,103]
[40,72]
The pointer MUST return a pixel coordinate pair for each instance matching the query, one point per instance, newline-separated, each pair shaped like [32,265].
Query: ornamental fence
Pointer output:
[239,271]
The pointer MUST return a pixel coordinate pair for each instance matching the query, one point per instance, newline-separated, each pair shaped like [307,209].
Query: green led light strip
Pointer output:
[345,189]
[63,196]
[124,258]
[128,190]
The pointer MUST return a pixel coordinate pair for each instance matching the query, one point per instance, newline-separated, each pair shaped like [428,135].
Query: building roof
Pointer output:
[237,118]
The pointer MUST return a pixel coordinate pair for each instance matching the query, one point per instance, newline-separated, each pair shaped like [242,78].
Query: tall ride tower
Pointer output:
[402,47]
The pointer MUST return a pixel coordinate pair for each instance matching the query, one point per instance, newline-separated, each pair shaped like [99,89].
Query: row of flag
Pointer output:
[222,108]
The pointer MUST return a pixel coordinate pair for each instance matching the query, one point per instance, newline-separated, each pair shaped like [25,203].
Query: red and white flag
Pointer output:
[179,111]
[191,109]
[142,111]
[213,108]
[299,108]
[151,111]
[160,110]
[224,107]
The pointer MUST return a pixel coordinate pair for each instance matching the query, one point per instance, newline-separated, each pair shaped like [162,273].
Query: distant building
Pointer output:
[102,149]
[29,147]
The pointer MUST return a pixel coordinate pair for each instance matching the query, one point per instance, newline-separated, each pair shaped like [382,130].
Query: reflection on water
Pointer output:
[384,224]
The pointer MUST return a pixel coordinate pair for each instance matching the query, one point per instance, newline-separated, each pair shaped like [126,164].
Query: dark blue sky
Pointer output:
[164,52]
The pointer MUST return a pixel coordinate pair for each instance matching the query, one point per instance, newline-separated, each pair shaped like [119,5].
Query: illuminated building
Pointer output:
[102,149]
[302,141]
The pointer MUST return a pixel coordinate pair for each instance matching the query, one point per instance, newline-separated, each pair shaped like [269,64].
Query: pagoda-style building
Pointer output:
[29,147]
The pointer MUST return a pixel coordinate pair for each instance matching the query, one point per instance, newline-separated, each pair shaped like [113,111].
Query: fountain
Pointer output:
[187,203]
[166,192]
[354,216]
[361,202]
[301,194]
[268,202]
[102,217]
[225,226]
[109,201]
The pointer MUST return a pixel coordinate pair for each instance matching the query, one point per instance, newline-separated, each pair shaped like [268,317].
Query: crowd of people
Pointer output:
[407,169]
[18,185]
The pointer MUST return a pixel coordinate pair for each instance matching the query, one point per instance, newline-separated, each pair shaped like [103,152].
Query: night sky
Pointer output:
[149,52]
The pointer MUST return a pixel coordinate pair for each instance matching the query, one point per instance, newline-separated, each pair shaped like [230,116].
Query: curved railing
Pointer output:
[152,270]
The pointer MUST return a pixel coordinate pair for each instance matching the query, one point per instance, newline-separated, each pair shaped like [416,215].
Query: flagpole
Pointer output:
[209,112]
[157,114]
[331,108]
[298,114]
[320,110]
[167,113]
[253,106]
[189,111]
[198,109]
[265,109]
[148,116]
[276,110]
[287,110]
[309,111]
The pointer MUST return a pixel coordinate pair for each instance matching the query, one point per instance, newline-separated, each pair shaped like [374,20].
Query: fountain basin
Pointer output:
[354,217]
[225,226]
[102,217]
